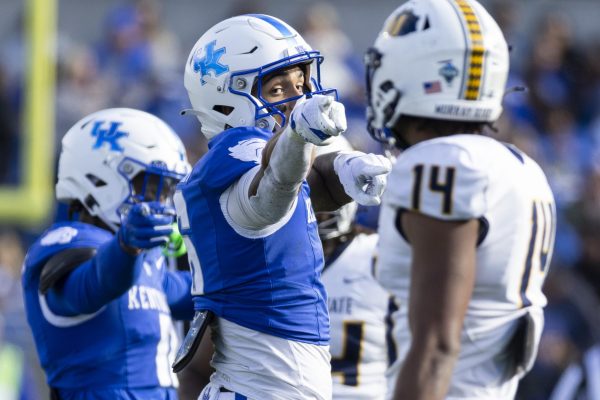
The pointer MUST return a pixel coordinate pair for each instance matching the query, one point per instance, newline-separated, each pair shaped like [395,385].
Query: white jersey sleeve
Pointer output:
[440,179]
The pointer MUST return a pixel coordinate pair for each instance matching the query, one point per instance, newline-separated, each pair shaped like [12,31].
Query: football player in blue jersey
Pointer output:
[98,295]
[246,211]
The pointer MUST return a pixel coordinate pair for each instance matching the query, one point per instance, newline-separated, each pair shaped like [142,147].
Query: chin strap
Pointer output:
[515,89]
[190,111]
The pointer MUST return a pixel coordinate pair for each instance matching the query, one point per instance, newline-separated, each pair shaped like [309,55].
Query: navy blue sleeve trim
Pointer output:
[398,223]
[96,282]
[484,227]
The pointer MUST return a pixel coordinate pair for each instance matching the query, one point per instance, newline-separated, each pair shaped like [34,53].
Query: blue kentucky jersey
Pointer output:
[126,344]
[270,284]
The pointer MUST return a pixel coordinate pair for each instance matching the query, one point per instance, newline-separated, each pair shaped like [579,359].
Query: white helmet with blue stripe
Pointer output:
[438,59]
[224,69]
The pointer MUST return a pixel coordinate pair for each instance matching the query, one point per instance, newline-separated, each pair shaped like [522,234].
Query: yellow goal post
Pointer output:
[29,203]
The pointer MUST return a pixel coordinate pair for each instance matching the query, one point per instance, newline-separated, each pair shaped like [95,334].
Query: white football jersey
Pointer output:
[358,307]
[463,177]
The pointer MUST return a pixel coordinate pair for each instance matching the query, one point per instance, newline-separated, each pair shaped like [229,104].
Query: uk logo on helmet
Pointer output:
[110,135]
[210,62]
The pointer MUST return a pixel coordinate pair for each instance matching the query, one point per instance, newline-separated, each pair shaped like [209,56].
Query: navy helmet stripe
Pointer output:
[275,22]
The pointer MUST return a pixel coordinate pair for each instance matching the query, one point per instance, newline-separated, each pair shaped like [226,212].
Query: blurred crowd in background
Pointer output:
[138,63]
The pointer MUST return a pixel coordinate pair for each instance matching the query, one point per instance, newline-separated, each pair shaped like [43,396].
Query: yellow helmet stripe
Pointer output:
[396,25]
[475,51]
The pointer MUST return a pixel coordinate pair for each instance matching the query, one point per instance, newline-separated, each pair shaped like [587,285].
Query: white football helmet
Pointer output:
[333,224]
[104,152]
[230,59]
[439,59]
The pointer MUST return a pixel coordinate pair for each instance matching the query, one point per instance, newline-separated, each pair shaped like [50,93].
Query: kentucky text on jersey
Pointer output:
[147,298]
[128,344]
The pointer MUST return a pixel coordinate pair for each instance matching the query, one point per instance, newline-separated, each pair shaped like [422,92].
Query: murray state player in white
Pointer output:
[358,310]
[467,222]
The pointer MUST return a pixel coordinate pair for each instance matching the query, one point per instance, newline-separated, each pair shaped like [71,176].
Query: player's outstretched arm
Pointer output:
[442,280]
[340,177]
[326,191]
[113,269]
[263,198]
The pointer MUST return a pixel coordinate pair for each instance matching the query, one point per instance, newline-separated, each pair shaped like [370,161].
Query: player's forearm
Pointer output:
[290,160]
[426,373]
[96,282]
[278,187]
[326,191]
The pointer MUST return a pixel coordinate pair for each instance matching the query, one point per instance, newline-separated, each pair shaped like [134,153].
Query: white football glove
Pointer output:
[319,119]
[363,176]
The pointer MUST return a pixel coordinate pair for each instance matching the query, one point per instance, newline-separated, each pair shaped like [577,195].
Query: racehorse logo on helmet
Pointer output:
[210,62]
